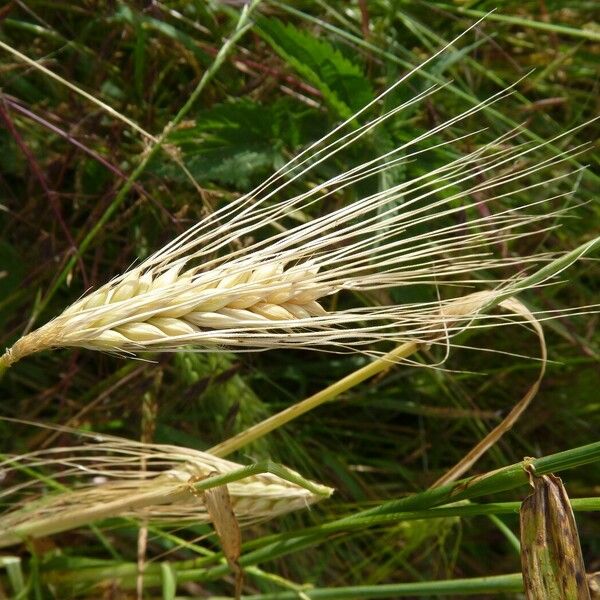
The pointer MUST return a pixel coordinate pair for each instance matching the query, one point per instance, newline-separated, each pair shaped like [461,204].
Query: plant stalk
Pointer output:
[329,393]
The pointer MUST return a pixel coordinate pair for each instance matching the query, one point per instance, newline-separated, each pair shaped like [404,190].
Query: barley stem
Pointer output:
[329,393]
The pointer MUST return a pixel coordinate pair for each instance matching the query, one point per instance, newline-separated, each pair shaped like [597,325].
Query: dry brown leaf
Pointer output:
[593,580]
[513,416]
[220,510]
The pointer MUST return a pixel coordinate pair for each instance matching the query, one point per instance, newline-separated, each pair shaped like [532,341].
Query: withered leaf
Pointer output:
[551,555]
[220,509]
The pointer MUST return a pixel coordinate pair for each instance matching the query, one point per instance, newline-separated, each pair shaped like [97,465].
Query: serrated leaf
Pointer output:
[237,143]
[342,83]
[231,168]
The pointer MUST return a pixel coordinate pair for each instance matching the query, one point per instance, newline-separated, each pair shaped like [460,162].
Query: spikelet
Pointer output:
[114,477]
[197,292]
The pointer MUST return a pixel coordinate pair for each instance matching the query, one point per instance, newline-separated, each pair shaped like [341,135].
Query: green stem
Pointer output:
[465,587]
[259,468]
[442,512]
[329,393]
[493,482]
[511,538]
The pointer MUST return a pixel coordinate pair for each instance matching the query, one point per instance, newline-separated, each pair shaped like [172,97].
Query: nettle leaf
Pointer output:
[239,142]
[240,121]
[219,164]
[342,83]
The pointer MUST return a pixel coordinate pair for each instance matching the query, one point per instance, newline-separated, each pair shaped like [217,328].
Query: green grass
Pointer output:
[86,194]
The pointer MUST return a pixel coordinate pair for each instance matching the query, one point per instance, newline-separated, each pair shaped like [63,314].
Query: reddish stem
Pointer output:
[39,175]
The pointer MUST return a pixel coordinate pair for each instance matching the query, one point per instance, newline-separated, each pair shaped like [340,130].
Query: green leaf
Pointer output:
[169,581]
[342,83]
[12,565]
[237,143]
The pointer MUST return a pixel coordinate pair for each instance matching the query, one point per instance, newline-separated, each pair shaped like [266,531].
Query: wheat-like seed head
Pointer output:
[166,310]
[198,292]
[114,477]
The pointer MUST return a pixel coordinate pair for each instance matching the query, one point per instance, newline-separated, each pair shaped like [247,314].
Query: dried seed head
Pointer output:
[114,477]
[145,310]
[197,292]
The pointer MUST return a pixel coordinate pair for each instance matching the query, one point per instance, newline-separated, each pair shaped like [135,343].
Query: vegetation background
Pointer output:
[299,70]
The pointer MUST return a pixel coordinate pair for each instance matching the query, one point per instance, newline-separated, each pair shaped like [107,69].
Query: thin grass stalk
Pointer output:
[581,33]
[496,584]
